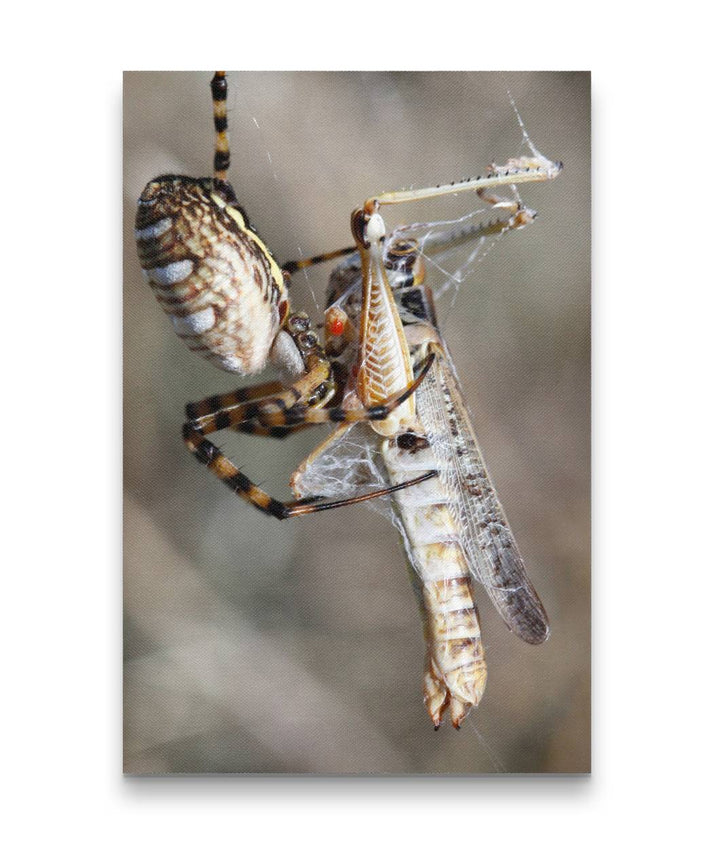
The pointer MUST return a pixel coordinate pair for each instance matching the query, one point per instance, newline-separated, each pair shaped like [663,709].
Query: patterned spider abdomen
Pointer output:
[210,272]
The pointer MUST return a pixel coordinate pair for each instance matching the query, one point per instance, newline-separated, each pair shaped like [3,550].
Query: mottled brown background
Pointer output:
[259,646]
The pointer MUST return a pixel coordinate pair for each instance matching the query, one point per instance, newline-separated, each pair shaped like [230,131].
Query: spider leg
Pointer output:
[311,504]
[209,454]
[213,403]
[285,410]
[299,264]
[222,149]
[297,405]
[265,404]
[275,432]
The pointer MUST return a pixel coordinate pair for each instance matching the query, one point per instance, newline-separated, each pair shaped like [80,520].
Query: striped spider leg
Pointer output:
[290,409]
[453,526]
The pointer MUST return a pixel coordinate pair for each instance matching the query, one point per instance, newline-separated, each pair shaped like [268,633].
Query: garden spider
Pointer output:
[227,299]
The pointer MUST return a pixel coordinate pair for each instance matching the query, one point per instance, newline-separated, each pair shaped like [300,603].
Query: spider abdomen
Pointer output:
[210,272]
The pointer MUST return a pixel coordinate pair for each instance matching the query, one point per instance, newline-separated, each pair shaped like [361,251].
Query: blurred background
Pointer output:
[254,645]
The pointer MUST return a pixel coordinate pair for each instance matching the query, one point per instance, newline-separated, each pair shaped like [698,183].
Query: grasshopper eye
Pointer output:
[407,440]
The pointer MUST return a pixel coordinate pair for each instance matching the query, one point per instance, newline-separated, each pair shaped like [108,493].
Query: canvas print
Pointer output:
[357,437]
